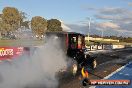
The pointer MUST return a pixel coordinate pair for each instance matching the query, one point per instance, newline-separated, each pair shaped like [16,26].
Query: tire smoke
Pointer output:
[37,70]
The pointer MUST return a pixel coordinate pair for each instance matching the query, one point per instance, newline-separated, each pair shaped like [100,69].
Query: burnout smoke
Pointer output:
[37,70]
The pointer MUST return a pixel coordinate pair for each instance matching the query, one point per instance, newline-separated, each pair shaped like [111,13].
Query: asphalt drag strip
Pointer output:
[107,63]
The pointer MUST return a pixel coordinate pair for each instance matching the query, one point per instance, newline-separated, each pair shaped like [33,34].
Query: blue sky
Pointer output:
[112,16]
[69,11]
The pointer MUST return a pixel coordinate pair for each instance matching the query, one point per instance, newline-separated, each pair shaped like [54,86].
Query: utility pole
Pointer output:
[102,33]
[89,24]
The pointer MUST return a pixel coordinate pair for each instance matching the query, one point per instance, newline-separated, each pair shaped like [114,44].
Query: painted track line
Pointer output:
[119,69]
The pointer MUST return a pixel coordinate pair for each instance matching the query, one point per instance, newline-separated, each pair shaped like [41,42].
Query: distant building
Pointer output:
[100,39]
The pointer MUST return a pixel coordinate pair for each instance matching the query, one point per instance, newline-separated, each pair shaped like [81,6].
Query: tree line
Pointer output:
[120,38]
[12,19]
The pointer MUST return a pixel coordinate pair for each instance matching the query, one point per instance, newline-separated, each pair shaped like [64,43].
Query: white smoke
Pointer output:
[35,71]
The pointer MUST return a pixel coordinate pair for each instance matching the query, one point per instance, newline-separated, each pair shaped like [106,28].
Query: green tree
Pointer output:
[38,26]
[25,24]
[0,28]
[23,15]
[54,25]
[1,24]
[11,19]
[23,18]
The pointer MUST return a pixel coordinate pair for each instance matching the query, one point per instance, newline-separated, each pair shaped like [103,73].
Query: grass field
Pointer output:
[21,42]
[41,42]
